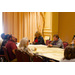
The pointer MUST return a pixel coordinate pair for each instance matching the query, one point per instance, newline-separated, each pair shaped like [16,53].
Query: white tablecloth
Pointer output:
[54,53]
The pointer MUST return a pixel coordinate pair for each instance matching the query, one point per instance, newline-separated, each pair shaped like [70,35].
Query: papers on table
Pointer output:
[55,53]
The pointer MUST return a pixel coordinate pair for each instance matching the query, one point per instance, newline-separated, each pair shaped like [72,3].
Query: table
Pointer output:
[43,50]
[54,53]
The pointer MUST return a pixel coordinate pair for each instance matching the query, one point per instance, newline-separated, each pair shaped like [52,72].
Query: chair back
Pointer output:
[65,44]
[48,42]
[6,53]
[18,55]
[37,58]
[26,57]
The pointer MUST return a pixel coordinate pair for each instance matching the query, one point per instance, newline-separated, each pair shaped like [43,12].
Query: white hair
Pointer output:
[24,46]
[23,43]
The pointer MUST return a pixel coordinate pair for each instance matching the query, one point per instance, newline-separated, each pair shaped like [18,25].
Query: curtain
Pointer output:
[23,24]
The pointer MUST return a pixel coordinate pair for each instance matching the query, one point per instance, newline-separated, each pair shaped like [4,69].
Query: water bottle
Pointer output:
[1,59]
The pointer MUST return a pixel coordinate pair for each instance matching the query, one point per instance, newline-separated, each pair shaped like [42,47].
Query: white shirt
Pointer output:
[1,40]
[28,50]
[65,60]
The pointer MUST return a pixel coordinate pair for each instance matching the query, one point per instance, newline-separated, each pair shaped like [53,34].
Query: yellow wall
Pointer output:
[48,19]
[61,23]
[66,28]
[54,23]
[51,25]
[48,26]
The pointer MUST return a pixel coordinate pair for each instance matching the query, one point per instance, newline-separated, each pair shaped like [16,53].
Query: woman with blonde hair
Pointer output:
[23,46]
[38,38]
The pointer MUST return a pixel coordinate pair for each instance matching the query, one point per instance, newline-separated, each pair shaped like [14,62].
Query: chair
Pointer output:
[65,44]
[18,55]
[25,56]
[37,58]
[7,56]
[48,42]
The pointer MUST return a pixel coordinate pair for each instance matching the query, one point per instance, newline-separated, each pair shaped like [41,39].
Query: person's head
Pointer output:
[55,37]
[2,35]
[37,34]
[11,38]
[69,52]
[24,42]
[73,36]
[74,39]
[6,36]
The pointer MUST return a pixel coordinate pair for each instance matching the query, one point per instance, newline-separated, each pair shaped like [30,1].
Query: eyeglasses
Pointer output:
[28,40]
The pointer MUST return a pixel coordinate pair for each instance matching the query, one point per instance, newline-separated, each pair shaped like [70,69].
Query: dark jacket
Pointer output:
[40,40]
[3,44]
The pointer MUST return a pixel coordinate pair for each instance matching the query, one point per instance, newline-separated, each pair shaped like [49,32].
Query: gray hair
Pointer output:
[23,43]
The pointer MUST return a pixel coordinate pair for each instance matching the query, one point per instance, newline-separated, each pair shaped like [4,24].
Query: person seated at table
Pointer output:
[1,40]
[23,46]
[4,43]
[11,46]
[69,54]
[73,41]
[5,39]
[38,38]
[57,42]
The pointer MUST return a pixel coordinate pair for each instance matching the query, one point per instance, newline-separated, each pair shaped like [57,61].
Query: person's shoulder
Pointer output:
[41,37]
[72,60]
[65,60]
[27,48]
[4,41]
[61,60]
[53,41]
[60,40]
[11,42]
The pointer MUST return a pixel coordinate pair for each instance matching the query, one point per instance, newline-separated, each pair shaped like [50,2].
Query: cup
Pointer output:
[35,49]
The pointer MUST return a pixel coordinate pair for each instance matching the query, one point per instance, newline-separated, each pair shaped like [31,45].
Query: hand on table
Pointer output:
[34,42]
[49,45]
